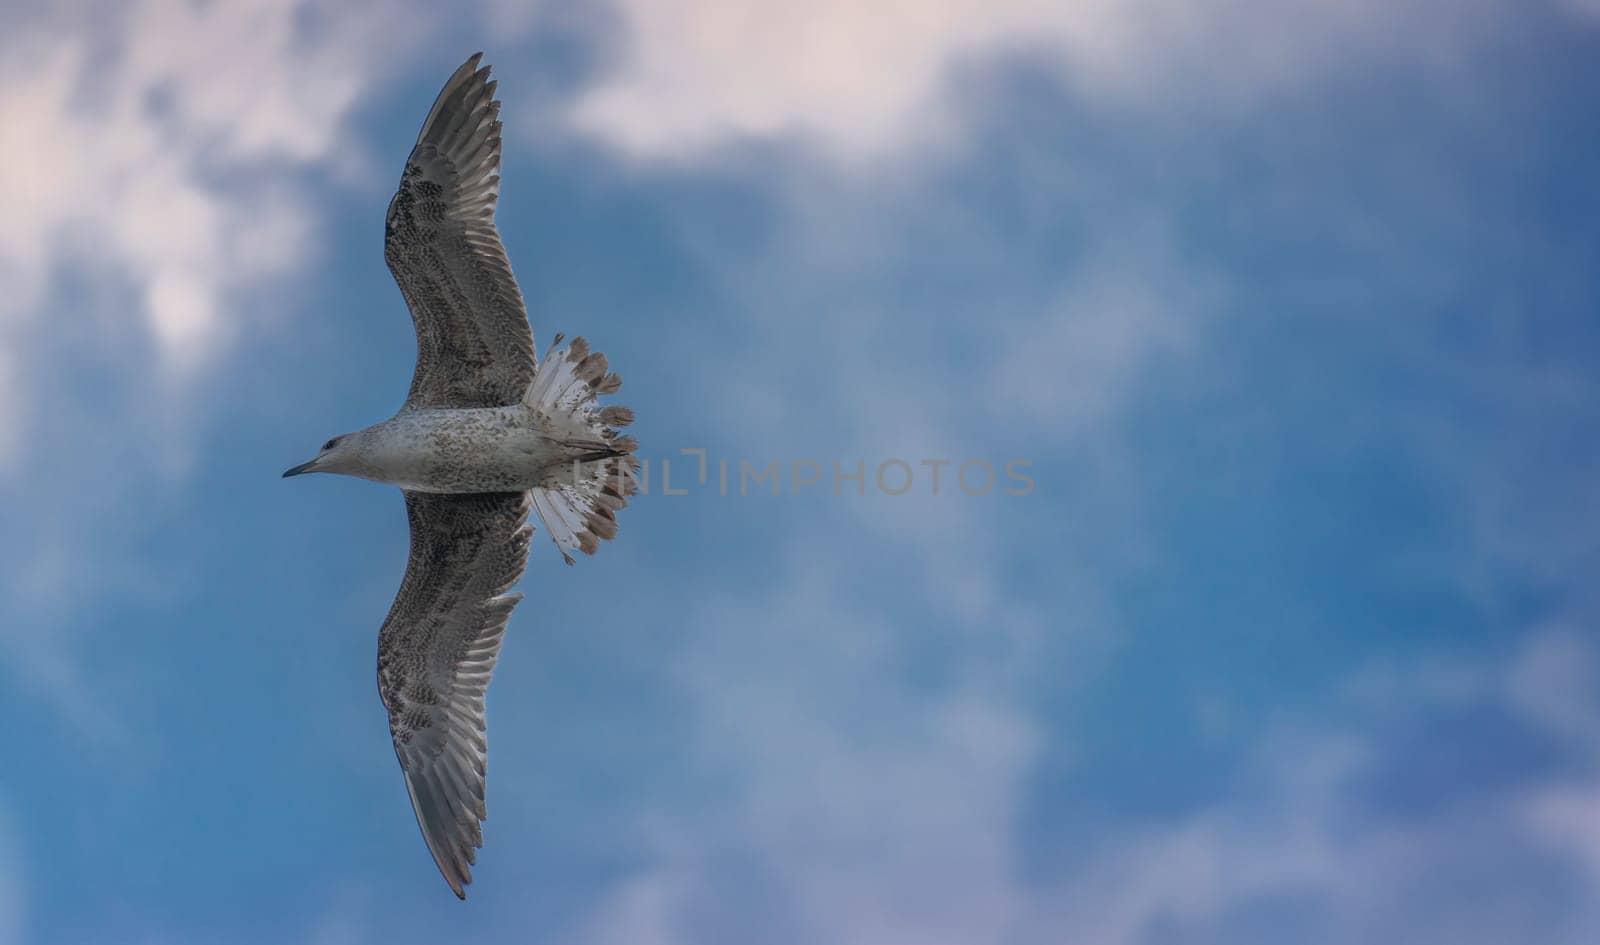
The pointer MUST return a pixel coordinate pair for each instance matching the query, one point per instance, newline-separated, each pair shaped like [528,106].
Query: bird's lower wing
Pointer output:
[436,652]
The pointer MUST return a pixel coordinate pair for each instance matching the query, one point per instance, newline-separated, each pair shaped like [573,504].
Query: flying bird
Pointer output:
[486,434]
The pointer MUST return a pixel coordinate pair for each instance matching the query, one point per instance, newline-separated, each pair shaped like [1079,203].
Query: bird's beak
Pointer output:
[302,468]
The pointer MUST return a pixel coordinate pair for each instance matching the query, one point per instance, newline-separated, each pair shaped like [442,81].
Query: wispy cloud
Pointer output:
[855,802]
[860,82]
[1555,682]
[854,814]
[1127,305]
[860,808]
[161,195]
[159,152]
[853,780]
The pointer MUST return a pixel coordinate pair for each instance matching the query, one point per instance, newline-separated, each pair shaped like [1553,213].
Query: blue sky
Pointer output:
[1292,308]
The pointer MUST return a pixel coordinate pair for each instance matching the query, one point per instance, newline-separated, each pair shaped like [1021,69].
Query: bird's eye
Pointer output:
[330,444]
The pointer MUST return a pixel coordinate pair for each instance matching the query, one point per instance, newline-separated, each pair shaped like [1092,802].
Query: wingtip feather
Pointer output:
[452,85]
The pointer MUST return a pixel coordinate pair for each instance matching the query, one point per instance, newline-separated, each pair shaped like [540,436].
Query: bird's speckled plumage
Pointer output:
[474,346]
[436,652]
[486,434]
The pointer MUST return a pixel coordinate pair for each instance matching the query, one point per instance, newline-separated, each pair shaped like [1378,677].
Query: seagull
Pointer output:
[486,434]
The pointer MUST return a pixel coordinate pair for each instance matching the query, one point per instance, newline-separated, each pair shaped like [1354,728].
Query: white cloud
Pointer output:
[1189,872]
[1555,681]
[159,200]
[862,80]
[880,816]
[1567,816]
[10,405]
[874,810]
[248,77]
[1126,306]
[1300,828]
[877,814]
[158,147]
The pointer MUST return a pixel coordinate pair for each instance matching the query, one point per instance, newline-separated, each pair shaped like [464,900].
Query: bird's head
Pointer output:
[338,455]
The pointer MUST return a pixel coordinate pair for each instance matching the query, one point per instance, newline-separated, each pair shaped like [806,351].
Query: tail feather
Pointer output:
[578,503]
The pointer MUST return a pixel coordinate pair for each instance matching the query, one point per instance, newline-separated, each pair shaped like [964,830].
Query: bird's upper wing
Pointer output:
[474,347]
[435,655]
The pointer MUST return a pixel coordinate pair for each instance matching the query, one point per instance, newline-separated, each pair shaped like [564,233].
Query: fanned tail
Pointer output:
[578,502]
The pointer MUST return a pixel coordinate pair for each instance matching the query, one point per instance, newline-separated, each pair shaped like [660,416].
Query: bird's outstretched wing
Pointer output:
[436,652]
[474,347]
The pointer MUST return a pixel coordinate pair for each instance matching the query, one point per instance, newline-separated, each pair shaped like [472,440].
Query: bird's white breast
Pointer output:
[490,449]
